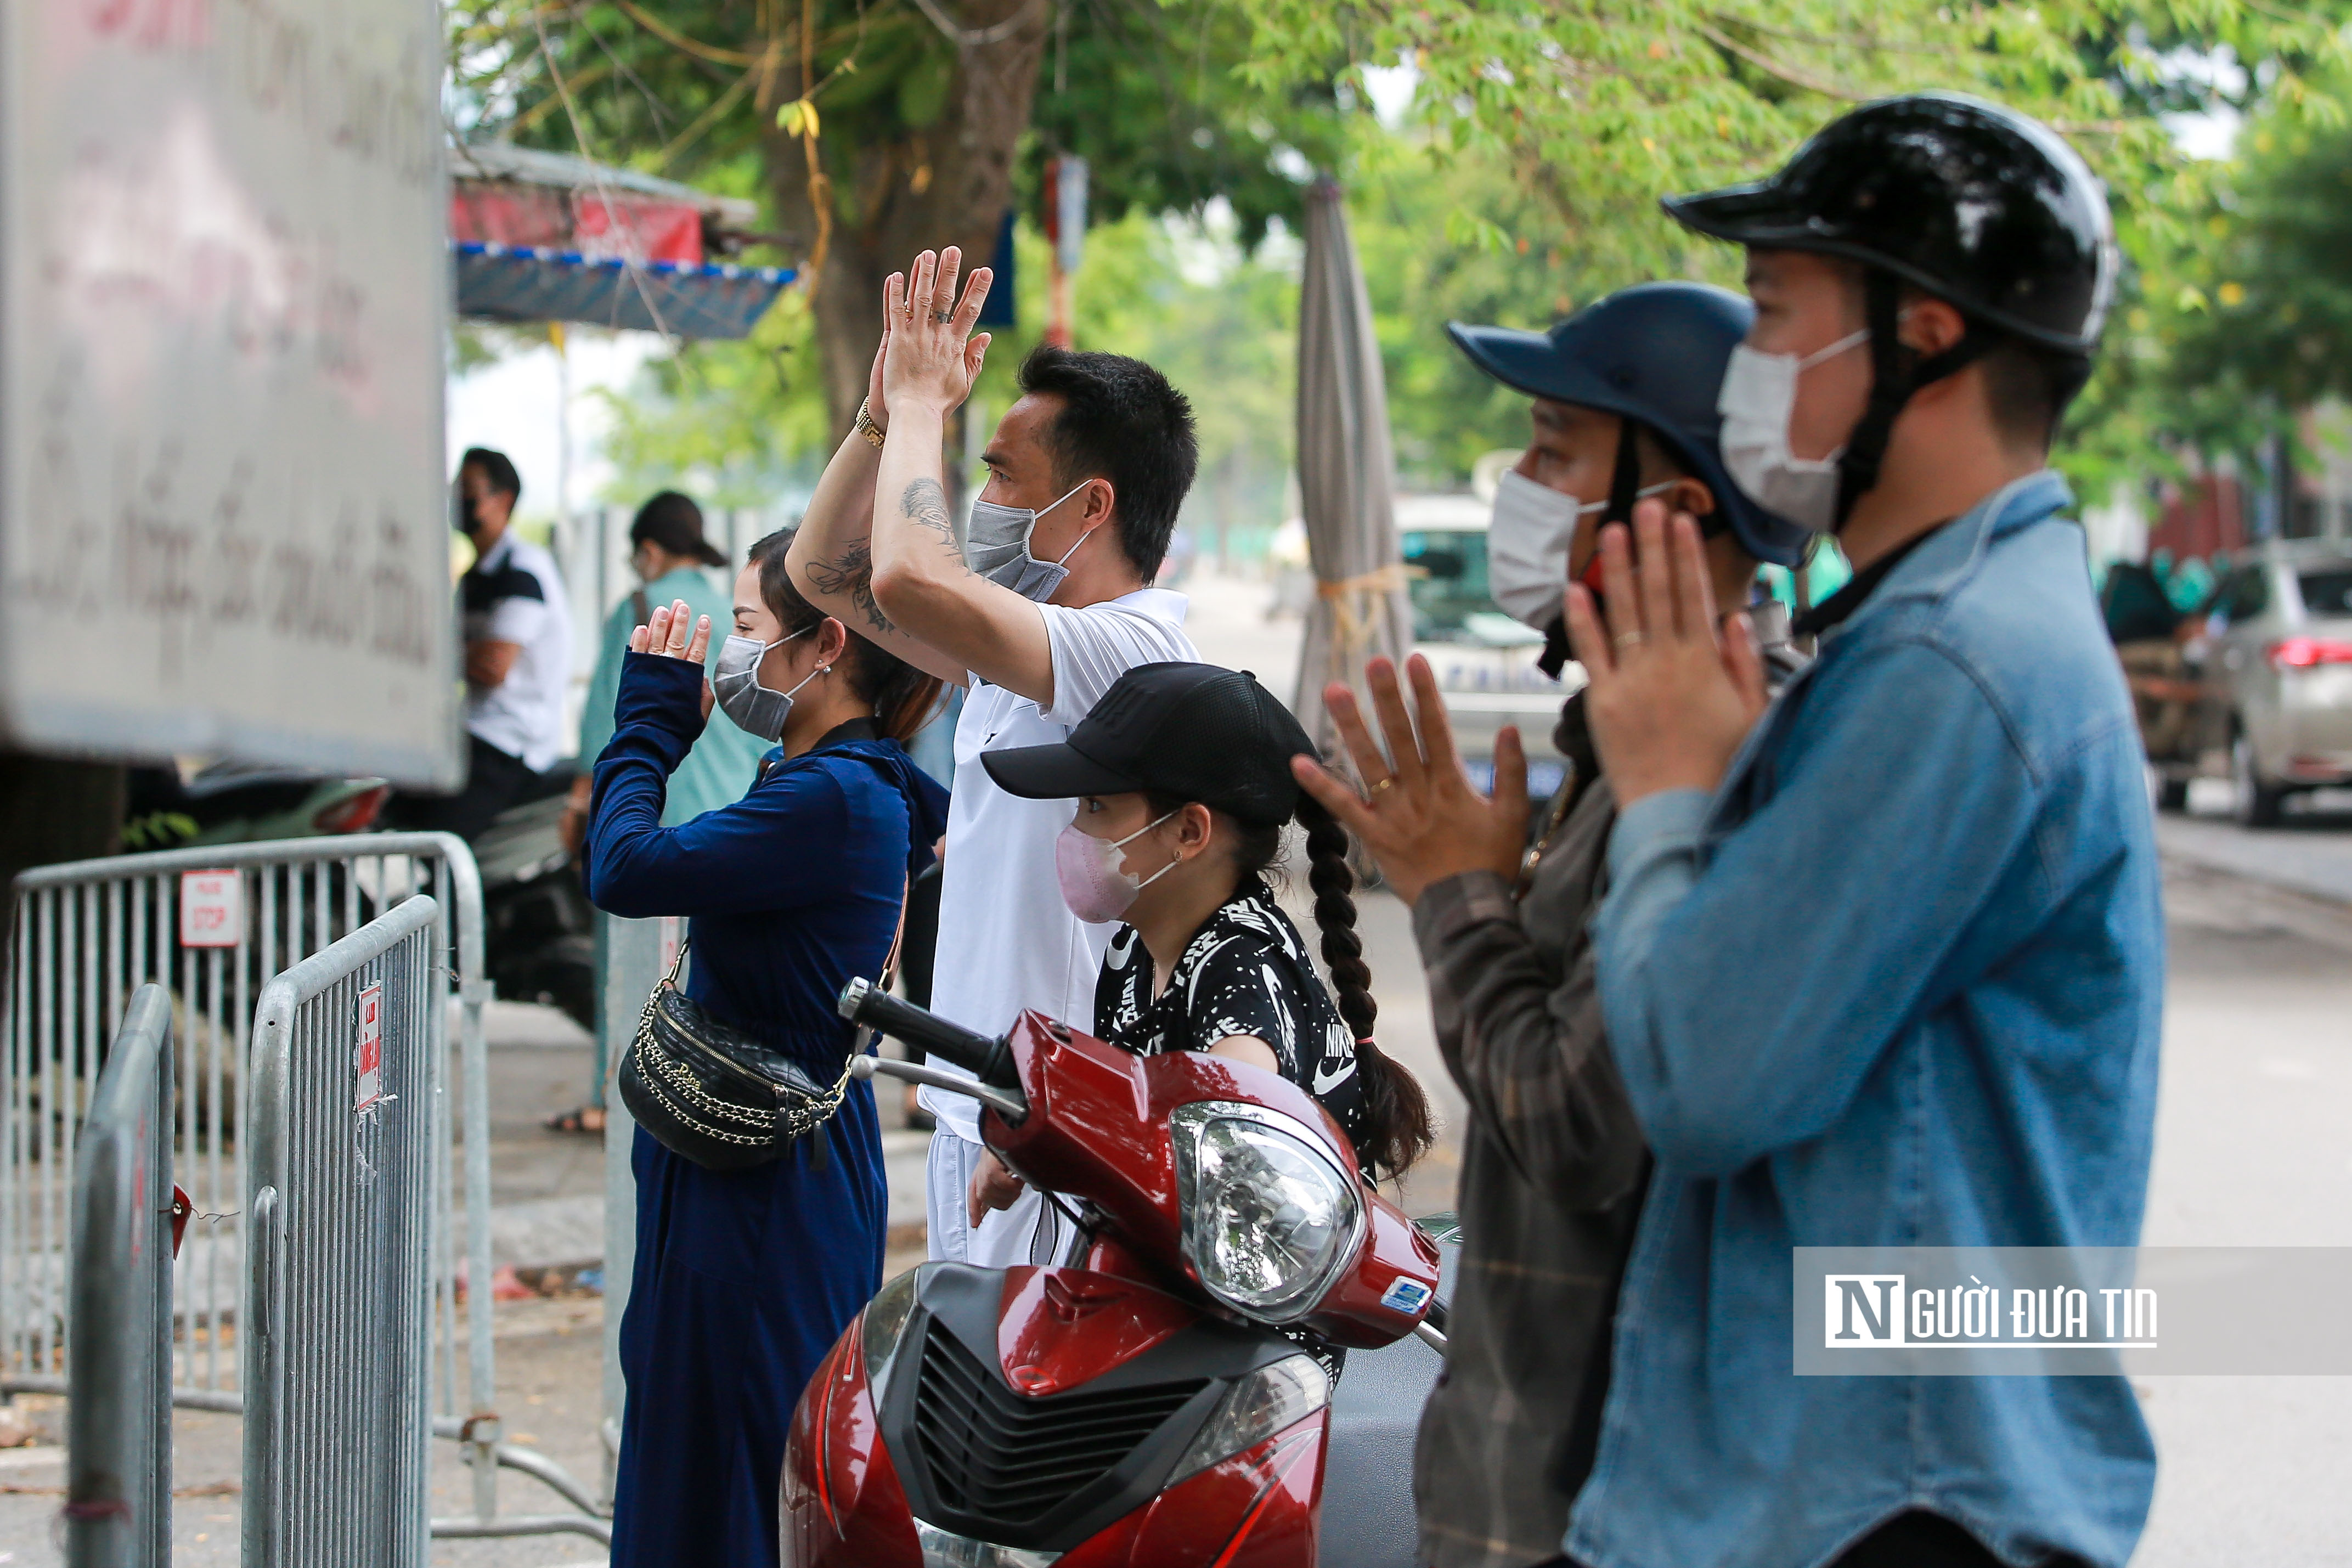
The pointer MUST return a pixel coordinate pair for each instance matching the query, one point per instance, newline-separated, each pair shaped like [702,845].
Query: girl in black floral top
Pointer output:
[1182,776]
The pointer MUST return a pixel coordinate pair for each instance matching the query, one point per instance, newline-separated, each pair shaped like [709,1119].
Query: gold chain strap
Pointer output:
[797,1121]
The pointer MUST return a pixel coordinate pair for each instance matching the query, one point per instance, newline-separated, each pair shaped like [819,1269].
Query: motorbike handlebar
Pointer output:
[989,1060]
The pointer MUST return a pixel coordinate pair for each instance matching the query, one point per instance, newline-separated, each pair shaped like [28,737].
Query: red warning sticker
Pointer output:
[370,1055]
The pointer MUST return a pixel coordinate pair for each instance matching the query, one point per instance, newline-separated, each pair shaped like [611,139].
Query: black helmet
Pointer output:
[1652,355]
[1977,204]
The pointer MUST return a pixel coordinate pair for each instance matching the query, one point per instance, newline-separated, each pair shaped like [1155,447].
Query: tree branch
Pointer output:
[975,37]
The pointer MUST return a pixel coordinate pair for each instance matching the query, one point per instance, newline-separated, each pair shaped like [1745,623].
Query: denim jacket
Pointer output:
[1946,1035]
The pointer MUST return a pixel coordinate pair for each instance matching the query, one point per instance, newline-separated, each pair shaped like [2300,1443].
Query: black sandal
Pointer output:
[576,1121]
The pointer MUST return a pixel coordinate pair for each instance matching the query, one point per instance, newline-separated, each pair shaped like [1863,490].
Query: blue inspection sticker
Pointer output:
[1406,1295]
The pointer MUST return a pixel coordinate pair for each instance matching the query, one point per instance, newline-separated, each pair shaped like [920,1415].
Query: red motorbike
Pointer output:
[1165,1400]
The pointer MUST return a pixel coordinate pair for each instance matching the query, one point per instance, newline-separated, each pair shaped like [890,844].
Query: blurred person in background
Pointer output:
[517,661]
[744,1278]
[1553,1163]
[1036,614]
[670,557]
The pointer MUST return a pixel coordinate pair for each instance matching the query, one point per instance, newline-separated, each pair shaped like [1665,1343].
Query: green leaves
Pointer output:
[1599,107]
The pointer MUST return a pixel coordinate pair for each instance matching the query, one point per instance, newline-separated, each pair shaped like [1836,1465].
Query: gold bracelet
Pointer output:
[865,425]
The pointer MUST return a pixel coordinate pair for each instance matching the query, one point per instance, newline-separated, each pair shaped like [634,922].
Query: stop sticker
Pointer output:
[368,1057]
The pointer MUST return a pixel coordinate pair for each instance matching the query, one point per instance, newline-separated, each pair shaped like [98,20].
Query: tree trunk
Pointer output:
[963,166]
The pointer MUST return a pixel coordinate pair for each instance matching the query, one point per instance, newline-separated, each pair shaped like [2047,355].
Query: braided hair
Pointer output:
[1396,1110]
[1397,1129]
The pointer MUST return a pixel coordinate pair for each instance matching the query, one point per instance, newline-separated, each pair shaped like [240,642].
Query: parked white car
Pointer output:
[2278,658]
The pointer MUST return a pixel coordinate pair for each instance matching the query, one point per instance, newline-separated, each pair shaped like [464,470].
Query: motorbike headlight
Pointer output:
[1270,1218]
[1261,1405]
[883,1325]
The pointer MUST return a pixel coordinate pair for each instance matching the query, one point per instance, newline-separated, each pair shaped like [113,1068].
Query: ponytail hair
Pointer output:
[1397,1129]
[903,698]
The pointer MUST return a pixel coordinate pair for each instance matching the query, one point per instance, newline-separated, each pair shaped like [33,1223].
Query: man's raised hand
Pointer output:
[930,355]
[1673,691]
[1420,815]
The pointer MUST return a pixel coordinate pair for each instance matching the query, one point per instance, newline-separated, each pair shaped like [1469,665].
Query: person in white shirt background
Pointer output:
[518,660]
[1044,606]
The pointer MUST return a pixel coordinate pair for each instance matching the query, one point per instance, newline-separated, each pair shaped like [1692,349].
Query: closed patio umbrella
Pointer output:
[1347,473]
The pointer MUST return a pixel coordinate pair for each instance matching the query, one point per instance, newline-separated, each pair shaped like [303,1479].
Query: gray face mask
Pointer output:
[735,681]
[996,546]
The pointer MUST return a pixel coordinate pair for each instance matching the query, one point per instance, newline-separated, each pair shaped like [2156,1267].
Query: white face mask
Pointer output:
[996,546]
[1527,543]
[1758,397]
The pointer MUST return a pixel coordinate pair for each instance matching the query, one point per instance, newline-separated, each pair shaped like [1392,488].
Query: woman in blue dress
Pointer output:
[743,1279]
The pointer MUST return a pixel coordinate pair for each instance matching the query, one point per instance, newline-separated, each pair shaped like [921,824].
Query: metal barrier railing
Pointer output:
[214,925]
[346,1105]
[117,1511]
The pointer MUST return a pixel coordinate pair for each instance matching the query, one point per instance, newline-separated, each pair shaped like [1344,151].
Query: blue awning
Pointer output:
[510,285]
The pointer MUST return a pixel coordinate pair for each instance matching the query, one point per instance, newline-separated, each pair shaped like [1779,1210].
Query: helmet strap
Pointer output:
[1625,483]
[1625,479]
[1896,373]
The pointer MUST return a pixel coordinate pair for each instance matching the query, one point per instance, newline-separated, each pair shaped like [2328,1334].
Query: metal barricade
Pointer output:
[119,1464]
[346,1105]
[214,925]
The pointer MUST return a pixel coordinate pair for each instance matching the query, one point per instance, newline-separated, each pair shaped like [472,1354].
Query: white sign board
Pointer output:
[223,283]
[211,909]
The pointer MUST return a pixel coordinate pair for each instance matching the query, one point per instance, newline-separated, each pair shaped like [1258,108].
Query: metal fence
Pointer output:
[214,925]
[118,1510]
[346,1109]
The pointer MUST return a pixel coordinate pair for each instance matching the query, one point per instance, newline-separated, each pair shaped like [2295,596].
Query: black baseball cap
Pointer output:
[1197,731]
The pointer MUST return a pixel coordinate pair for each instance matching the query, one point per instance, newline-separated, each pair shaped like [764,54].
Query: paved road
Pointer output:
[2310,851]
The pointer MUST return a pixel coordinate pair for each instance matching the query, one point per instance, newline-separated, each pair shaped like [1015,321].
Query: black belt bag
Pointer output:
[713,1094]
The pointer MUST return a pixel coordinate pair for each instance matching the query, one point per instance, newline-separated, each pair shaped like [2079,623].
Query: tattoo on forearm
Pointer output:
[851,577]
[924,505]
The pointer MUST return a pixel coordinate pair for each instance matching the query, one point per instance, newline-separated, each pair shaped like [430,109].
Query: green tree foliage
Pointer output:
[1220,316]
[872,129]
[1599,108]
[2260,326]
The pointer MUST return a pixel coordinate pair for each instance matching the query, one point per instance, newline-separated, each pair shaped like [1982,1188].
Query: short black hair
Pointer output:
[2027,387]
[1121,420]
[495,467]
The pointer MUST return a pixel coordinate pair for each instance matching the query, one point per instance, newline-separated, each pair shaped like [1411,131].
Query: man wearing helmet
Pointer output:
[1950,1038]
[1553,1164]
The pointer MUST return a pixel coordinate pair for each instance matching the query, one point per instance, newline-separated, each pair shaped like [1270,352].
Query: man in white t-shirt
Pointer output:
[1045,604]
[517,632]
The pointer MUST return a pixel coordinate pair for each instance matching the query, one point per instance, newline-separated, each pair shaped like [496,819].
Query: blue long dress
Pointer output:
[744,1279]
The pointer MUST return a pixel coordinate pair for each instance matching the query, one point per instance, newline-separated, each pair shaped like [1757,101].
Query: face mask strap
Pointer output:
[1038,516]
[1896,371]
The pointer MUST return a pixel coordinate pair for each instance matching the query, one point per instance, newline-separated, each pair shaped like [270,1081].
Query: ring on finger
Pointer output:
[1379,784]
[1628,640]
[943,317]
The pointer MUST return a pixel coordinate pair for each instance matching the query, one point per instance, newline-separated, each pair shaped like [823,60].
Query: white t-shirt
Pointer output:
[514,594]
[1007,942]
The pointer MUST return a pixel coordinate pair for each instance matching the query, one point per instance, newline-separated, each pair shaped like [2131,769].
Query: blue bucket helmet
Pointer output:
[1655,355]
